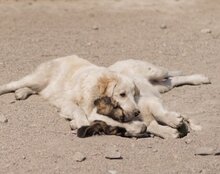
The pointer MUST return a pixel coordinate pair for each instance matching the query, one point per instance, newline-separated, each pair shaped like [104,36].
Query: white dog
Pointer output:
[73,84]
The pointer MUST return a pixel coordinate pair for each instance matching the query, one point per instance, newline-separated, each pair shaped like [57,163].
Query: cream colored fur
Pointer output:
[72,84]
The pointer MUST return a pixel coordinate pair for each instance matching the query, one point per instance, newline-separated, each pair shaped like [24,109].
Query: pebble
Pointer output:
[163,26]
[88,44]
[217,152]
[204,151]
[12,102]
[155,150]
[74,132]
[206,30]
[188,141]
[113,154]
[202,171]
[79,157]
[3,119]
[95,27]
[112,171]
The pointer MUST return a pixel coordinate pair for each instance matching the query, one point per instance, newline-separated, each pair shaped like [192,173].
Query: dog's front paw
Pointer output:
[174,119]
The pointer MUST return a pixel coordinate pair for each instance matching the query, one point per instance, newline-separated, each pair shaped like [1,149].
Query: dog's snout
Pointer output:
[136,112]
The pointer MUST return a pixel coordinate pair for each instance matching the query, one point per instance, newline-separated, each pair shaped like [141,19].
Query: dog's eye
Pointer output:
[123,94]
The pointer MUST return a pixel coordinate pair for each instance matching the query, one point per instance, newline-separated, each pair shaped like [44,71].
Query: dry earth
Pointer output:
[35,140]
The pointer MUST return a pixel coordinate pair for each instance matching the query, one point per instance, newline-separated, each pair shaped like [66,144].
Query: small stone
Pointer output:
[217,152]
[3,119]
[89,44]
[206,30]
[12,102]
[132,145]
[155,150]
[112,171]
[188,141]
[113,154]
[204,151]
[95,28]
[74,132]
[79,157]
[163,26]
[200,171]
[24,157]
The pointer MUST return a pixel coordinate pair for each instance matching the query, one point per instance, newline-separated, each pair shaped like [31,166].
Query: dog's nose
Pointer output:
[136,112]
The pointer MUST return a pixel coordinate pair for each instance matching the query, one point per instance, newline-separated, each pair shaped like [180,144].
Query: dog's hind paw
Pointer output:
[200,79]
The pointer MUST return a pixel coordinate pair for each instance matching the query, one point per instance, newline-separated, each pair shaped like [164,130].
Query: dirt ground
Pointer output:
[36,140]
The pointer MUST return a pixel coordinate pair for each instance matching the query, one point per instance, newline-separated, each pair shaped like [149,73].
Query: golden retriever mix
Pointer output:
[73,85]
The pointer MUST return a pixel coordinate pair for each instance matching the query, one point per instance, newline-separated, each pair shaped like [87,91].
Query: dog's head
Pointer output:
[122,90]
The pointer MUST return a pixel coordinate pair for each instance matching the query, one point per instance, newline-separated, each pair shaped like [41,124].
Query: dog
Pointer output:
[72,84]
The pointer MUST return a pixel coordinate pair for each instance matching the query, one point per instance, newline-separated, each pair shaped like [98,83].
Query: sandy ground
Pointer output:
[35,140]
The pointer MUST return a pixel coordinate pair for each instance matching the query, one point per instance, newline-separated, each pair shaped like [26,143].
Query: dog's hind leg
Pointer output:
[195,79]
[35,81]
[168,84]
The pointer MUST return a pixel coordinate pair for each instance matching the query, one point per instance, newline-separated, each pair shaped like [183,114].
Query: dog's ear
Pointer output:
[106,85]
[97,101]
